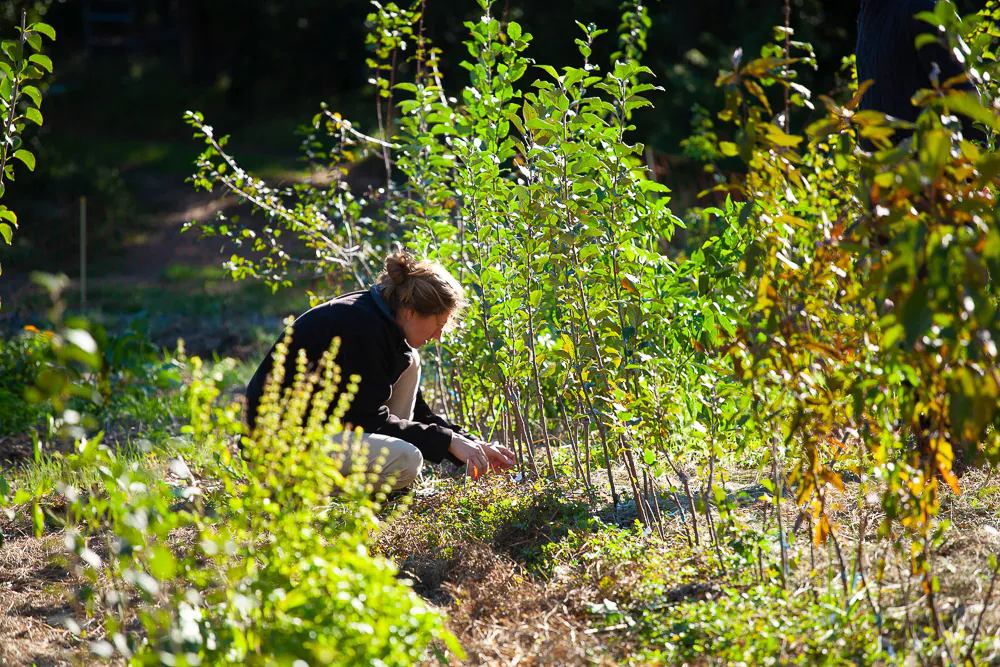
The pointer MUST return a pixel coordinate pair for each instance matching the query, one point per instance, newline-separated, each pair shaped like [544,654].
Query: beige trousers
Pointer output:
[402,461]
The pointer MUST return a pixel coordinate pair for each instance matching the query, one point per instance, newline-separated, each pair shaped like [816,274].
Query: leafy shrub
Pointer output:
[259,560]
[77,370]
[20,100]
[537,199]
[20,359]
[867,291]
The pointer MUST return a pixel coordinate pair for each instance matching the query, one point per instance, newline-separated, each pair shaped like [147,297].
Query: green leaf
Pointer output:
[6,232]
[654,186]
[451,641]
[549,70]
[37,518]
[4,487]
[514,30]
[12,49]
[33,115]
[43,28]
[969,105]
[162,565]
[778,137]
[935,149]
[26,157]
[34,94]
[41,61]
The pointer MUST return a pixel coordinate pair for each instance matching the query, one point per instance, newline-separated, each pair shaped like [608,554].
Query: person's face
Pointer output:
[421,329]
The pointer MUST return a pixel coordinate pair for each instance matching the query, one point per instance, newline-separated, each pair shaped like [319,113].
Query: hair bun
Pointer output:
[398,267]
[426,287]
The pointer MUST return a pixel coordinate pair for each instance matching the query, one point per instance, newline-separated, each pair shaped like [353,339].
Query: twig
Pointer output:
[345,124]
[788,30]
[979,622]
[687,492]
[778,484]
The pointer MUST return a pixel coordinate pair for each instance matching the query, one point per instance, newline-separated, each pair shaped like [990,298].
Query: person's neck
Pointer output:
[383,305]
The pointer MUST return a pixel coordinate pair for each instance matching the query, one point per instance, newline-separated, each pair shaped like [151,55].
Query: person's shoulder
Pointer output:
[336,304]
[353,311]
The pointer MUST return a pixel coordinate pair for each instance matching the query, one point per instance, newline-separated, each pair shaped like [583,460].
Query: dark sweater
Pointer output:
[372,345]
[887,54]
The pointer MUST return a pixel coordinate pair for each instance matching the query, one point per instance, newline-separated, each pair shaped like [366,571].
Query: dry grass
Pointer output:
[519,585]
[507,612]
[509,607]
[33,600]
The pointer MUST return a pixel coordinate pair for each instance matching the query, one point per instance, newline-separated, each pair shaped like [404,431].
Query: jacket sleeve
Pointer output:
[362,356]
[423,413]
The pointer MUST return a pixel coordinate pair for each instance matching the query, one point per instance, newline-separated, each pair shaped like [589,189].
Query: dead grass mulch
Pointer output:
[34,583]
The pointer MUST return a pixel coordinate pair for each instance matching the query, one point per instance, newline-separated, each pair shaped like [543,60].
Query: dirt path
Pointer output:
[172,203]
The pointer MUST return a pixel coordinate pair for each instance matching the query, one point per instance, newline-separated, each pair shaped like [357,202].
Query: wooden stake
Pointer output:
[83,254]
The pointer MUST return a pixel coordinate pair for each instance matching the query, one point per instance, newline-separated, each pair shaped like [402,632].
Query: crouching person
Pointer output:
[380,331]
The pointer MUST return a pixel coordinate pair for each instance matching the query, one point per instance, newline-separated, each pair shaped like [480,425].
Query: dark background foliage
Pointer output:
[257,58]
[259,68]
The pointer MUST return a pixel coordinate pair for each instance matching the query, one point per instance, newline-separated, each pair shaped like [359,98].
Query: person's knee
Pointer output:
[409,465]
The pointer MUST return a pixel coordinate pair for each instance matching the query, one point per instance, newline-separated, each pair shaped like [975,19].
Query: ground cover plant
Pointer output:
[773,446]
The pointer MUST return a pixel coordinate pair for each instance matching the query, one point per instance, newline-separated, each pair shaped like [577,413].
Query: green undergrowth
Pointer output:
[517,522]
[142,423]
[760,625]
[182,551]
[653,601]
[215,317]
[139,388]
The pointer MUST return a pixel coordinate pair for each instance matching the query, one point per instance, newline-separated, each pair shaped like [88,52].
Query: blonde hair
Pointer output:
[426,287]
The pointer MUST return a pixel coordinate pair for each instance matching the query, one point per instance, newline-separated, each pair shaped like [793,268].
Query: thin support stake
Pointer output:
[83,254]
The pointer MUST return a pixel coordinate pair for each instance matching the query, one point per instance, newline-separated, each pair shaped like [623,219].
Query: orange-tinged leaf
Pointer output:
[754,88]
[862,88]
[950,478]
[833,478]
[822,530]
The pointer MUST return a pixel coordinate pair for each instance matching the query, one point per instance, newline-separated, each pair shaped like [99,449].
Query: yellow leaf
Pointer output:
[729,149]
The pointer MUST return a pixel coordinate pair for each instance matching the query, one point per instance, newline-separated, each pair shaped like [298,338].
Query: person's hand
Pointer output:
[499,456]
[481,456]
[472,453]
